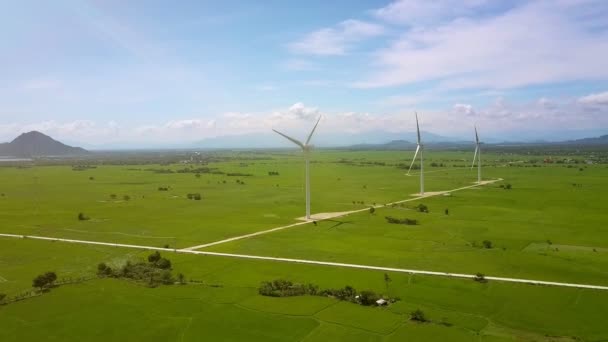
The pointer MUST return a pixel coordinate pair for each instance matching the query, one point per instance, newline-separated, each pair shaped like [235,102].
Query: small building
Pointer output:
[381,302]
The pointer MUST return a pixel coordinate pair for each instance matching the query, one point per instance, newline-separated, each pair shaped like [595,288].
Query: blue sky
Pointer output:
[173,72]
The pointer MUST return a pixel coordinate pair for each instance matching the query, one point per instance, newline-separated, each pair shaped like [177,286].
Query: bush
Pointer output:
[82,217]
[418,316]
[372,210]
[126,197]
[2,296]
[487,244]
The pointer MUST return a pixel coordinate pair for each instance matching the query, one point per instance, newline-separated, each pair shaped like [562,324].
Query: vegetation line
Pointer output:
[341,214]
[323,263]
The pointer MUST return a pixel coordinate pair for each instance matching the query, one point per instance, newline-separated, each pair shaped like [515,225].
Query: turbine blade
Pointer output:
[474,156]
[295,141]
[413,160]
[313,130]
[417,129]
[476,136]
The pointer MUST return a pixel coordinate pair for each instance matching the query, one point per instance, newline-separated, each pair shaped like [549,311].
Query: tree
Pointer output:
[50,278]
[126,197]
[82,217]
[447,211]
[372,210]
[487,244]
[422,208]
[418,316]
[154,257]
[44,280]
[368,298]
[508,186]
[387,280]
[181,278]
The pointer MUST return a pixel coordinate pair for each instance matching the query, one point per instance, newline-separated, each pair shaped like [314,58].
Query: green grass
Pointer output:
[544,228]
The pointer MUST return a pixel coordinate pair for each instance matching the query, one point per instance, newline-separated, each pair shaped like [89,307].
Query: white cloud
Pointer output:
[465,109]
[599,99]
[457,119]
[411,12]
[298,65]
[536,43]
[336,40]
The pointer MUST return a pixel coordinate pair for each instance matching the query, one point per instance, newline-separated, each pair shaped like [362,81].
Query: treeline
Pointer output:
[286,288]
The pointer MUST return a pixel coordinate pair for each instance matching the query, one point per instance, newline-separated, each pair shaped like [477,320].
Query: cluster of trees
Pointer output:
[394,220]
[83,167]
[163,188]
[238,174]
[238,181]
[358,202]
[506,186]
[485,244]
[195,196]
[273,173]
[286,288]
[45,280]
[434,164]
[155,272]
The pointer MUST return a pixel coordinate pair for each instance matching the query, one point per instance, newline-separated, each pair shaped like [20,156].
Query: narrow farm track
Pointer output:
[315,262]
[327,216]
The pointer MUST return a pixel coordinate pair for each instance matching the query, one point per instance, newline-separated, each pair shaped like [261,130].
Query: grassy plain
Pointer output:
[543,206]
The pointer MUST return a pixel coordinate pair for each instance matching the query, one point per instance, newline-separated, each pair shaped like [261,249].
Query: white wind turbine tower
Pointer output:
[419,148]
[477,156]
[306,148]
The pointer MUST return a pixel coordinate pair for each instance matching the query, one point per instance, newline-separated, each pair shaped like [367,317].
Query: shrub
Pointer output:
[126,197]
[418,316]
[487,244]
[372,210]
[82,217]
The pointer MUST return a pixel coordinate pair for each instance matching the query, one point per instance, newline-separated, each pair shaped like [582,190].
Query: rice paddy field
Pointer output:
[550,225]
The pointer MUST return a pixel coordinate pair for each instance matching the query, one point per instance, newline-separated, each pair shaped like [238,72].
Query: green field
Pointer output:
[549,226]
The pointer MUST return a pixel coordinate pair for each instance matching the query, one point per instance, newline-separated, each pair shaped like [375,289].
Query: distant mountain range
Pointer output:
[36,144]
[273,140]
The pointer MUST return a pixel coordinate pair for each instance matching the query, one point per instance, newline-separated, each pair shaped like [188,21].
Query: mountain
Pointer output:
[36,144]
[321,139]
[601,140]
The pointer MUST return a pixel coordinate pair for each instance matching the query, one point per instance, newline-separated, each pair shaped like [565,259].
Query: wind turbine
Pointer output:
[306,148]
[477,156]
[419,148]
